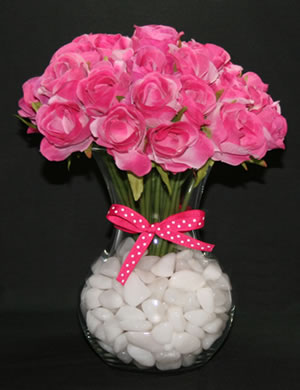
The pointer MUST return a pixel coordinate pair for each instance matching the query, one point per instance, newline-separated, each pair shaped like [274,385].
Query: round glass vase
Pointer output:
[175,310]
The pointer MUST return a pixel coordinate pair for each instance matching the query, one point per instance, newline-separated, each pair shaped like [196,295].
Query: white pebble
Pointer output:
[144,340]
[117,286]
[129,312]
[213,326]
[188,360]
[168,360]
[223,282]
[135,291]
[110,299]
[92,298]
[185,343]
[191,301]
[125,246]
[110,267]
[175,317]
[185,254]
[112,330]
[174,296]
[91,321]
[100,333]
[165,266]
[199,317]
[154,310]
[136,325]
[147,262]
[162,333]
[145,276]
[182,264]
[141,355]
[158,288]
[100,281]
[105,346]
[212,271]
[120,343]
[186,280]
[194,330]
[206,299]
[195,265]
[102,314]
[209,339]
[124,356]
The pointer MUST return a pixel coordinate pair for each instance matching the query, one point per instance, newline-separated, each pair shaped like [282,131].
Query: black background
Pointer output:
[53,223]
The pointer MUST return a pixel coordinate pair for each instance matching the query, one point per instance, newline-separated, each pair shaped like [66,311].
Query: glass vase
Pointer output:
[175,310]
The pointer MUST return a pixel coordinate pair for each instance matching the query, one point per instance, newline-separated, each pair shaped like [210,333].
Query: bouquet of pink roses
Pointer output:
[151,98]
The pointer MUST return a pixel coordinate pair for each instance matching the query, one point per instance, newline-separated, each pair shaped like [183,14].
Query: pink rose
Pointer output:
[193,61]
[156,96]
[237,134]
[150,59]
[155,35]
[178,147]
[229,75]
[98,92]
[66,67]
[115,46]
[66,130]
[122,131]
[216,54]
[257,91]
[198,97]
[29,96]
[274,126]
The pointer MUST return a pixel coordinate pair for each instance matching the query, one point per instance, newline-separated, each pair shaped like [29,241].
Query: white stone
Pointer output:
[124,257]
[144,340]
[212,271]
[91,321]
[112,330]
[129,312]
[83,293]
[194,330]
[182,264]
[124,356]
[105,346]
[168,360]
[145,276]
[125,246]
[102,314]
[219,297]
[198,351]
[100,281]
[92,298]
[175,317]
[110,267]
[206,299]
[185,254]
[185,343]
[162,333]
[120,343]
[158,288]
[136,325]
[154,310]
[199,317]
[195,265]
[117,286]
[223,282]
[188,360]
[186,280]
[191,301]
[174,296]
[100,333]
[135,291]
[224,317]
[147,262]
[213,326]
[220,309]
[165,266]
[209,339]
[110,299]
[142,356]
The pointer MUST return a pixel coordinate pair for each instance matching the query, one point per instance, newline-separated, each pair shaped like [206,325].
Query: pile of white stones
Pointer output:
[169,310]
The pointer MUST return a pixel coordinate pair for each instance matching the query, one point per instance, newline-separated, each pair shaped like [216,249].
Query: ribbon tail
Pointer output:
[187,241]
[134,256]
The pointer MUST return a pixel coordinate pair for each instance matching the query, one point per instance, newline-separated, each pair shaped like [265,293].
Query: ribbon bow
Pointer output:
[130,221]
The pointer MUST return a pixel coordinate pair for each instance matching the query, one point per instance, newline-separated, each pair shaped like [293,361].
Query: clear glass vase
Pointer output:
[175,310]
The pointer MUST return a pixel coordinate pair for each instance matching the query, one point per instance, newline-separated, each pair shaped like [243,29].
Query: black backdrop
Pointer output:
[53,223]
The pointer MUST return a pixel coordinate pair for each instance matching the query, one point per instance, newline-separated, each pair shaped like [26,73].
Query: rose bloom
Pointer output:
[274,126]
[216,54]
[237,134]
[98,92]
[122,131]
[29,96]
[64,68]
[65,128]
[178,146]
[155,35]
[156,97]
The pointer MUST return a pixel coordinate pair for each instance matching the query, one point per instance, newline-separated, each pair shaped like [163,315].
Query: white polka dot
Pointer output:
[127,265]
[134,221]
[116,211]
[189,225]
[133,262]
[184,221]
[173,222]
[202,248]
[158,229]
[208,246]
[203,218]
[122,209]
[179,226]
[138,247]
[168,232]
[132,214]
[198,243]
[122,274]
[150,234]
[123,281]
[194,220]
[144,244]
[152,225]
[113,207]
[143,238]
[172,238]
[132,255]
[143,226]
[126,215]
[182,242]
[200,223]
[128,271]
[140,220]
[192,245]
[178,236]
[139,253]
[162,234]
[188,240]
[168,226]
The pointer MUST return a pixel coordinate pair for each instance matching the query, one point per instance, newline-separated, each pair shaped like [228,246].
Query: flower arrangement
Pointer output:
[156,112]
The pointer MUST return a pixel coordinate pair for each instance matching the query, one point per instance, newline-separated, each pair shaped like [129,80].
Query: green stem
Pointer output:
[188,194]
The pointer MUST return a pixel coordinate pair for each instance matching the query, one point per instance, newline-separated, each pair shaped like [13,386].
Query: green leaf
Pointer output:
[164,177]
[26,122]
[179,114]
[261,163]
[219,93]
[69,163]
[201,173]
[119,98]
[36,106]
[136,184]
[244,165]
[206,131]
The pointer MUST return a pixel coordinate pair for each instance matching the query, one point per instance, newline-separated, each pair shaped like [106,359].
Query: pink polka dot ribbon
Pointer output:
[170,229]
